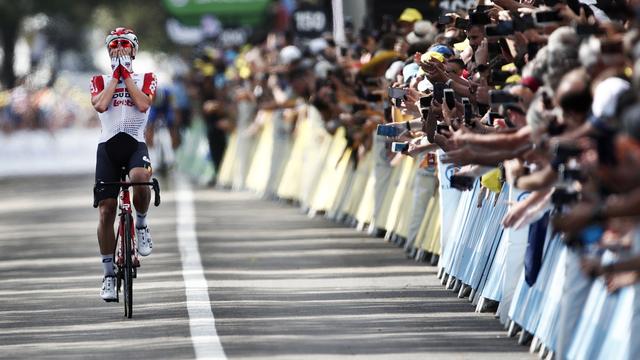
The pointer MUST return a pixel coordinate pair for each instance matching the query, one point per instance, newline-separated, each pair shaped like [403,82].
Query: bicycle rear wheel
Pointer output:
[128,268]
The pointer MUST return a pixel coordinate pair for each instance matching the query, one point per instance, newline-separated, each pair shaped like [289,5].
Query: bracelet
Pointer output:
[449,82]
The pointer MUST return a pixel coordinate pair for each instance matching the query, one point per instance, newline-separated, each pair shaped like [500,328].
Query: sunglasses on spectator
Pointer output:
[123,43]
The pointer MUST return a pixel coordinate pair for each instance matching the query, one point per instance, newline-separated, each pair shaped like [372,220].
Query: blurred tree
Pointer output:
[69,19]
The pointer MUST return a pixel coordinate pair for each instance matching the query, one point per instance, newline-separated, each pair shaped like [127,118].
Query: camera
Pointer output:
[502,28]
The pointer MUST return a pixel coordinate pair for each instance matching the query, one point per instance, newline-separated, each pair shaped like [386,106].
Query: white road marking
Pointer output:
[202,324]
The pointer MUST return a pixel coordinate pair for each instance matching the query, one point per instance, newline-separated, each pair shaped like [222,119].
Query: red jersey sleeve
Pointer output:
[96,85]
[150,84]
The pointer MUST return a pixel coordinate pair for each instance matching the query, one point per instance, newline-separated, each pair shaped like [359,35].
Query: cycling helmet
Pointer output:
[124,34]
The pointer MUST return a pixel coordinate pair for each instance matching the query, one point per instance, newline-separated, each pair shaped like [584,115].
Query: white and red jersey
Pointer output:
[122,114]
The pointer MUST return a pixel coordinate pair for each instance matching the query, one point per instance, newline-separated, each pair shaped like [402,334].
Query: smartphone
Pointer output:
[397,93]
[546,101]
[588,29]
[479,18]
[502,28]
[425,102]
[492,117]
[468,114]
[544,18]
[611,47]
[494,49]
[462,182]
[441,128]
[445,19]
[483,8]
[449,98]
[425,114]
[438,91]
[532,49]
[388,130]
[399,147]
[462,24]
[523,23]
[502,97]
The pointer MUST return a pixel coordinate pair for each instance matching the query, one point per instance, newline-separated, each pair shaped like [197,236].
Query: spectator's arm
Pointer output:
[536,181]
[496,141]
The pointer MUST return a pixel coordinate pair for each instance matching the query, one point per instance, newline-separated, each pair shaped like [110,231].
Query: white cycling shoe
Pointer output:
[108,290]
[145,244]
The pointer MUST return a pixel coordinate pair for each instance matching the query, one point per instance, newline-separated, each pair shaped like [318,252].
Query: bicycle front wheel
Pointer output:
[128,268]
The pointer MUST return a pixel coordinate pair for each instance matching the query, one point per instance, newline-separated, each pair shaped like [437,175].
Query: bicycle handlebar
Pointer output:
[153,183]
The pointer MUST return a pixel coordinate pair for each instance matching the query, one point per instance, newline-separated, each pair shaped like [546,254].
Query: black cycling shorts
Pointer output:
[120,151]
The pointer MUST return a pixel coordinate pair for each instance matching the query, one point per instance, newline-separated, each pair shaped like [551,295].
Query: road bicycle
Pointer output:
[126,253]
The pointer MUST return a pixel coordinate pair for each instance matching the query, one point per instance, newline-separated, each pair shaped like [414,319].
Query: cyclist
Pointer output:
[122,100]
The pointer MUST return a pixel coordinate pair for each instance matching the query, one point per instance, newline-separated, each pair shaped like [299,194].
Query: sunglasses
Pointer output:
[123,43]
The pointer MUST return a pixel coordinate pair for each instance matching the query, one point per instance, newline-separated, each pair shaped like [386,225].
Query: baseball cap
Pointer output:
[410,15]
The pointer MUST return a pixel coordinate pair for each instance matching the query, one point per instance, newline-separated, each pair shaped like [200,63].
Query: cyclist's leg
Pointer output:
[106,171]
[107,203]
[140,171]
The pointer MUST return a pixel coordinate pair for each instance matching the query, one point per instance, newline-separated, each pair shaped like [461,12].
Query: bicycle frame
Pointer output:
[125,211]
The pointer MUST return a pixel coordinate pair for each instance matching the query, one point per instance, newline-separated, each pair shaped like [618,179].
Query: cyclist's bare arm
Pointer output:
[142,100]
[102,100]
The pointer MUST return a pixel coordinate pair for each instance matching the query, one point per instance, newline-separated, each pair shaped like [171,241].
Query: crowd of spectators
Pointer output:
[539,96]
[60,105]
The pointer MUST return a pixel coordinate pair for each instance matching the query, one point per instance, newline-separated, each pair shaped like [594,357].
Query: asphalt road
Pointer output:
[280,285]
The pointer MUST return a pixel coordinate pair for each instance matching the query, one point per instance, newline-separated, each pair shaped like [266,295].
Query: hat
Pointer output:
[410,15]
[410,71]
[317,45]
[379,63]
[530,82]
[289,54]
[442,50]
[423,30]
[393,70]
[605,96]
[432,55]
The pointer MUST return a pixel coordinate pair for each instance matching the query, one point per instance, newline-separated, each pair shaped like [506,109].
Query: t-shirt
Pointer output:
[122,114]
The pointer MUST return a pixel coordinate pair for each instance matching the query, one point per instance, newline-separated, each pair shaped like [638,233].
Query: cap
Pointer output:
[423,30]
[442,50]
[289,54]
[410,71]
[410,15]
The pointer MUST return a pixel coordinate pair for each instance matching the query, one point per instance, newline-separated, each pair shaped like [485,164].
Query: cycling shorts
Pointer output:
[121,151]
